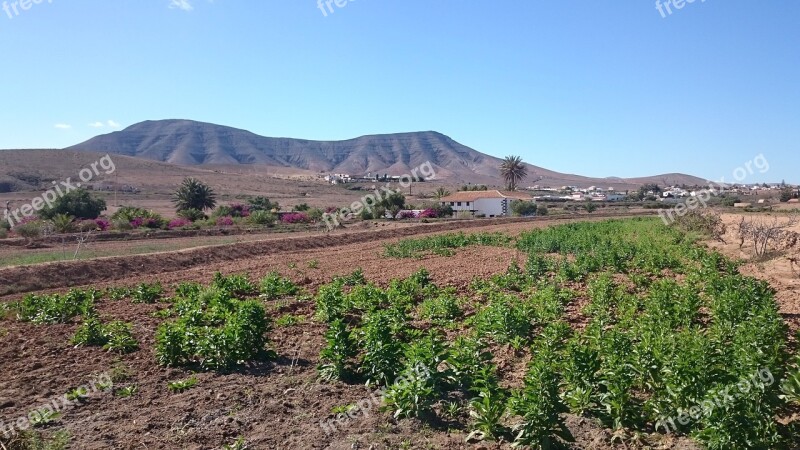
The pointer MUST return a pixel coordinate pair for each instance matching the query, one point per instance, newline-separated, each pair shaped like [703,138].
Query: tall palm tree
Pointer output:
[194,194]
[513,171]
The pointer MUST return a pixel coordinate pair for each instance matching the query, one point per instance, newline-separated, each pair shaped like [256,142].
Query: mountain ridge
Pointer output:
[191,143]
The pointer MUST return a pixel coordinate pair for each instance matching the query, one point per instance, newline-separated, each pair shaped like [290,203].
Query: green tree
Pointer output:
[523,208]
[261,203]
[513,171]
[786,194]
[78,203]
[393,201]
[194,194]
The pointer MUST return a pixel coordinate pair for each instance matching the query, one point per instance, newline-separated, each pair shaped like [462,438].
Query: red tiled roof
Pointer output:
[471,196]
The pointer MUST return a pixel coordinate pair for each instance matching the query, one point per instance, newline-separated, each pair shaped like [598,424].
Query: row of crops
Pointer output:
[628,323]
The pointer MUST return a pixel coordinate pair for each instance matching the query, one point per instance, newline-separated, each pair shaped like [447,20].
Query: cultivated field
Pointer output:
[475,334]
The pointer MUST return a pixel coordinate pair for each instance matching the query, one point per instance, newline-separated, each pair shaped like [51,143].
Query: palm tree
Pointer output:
[441,192]
[513,171]
[194,194]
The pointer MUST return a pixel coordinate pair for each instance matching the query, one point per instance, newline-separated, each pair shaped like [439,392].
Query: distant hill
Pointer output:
[190,143]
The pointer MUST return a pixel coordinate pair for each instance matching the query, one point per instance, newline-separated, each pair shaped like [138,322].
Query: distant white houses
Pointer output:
[488,203]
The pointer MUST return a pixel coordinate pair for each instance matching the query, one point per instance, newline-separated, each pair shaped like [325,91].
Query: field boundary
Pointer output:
[63,274]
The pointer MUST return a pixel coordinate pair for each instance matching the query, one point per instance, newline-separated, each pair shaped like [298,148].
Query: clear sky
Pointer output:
[596,88]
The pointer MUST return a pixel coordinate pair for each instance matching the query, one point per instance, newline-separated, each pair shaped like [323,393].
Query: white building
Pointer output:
[489,203]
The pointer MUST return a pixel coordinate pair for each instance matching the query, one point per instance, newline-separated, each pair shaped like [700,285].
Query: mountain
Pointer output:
[190,143]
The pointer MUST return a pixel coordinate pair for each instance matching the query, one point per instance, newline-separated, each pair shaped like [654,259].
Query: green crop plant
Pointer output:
[503,319]
[56,308]
[273,287]
[444,308]
[215,330]
[115,336]
[354,278]
[238,286]
[90,333]
[382,353]
[443,245]
[182,385]
[127,391]
[147,293]
[120,337]
[331,302]
[487,411]
[339,350]
[467,359]
[539,406]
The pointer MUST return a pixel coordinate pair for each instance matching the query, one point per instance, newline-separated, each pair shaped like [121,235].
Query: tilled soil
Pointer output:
[273,405]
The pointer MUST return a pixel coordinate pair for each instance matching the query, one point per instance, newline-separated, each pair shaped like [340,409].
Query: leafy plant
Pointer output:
[336,355]
[273,286]
[382,353]
[127,391]
[214,330]
[182,385]
[194,194]
[56,308]
[147,292]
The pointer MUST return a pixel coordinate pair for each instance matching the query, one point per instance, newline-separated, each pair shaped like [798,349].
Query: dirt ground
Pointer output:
[776,269]
[275,405]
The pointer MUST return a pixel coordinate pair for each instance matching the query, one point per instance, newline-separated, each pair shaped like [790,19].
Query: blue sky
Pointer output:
[594,88]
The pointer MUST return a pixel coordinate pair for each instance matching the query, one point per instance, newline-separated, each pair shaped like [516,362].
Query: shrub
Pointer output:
[262,204]
[3,233]
[179,223]
[226,221]
[542,210]
[429,213]
[137,218]
[408,215]
[523,208]
[292,218]
[30,230]
[102,224]
[63,223]
[192,215]
[261,217]
[78,203]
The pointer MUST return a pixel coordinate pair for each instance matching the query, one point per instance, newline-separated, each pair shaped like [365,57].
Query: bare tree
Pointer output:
[767,235]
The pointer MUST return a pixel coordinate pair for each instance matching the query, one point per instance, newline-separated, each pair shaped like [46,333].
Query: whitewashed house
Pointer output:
[488,203]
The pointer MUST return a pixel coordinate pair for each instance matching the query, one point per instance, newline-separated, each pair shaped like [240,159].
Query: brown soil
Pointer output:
[275,405]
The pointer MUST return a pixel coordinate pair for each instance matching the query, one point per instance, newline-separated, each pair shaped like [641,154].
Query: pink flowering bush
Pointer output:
[102,224]
[295,218]
[240,210]
[428,214]
[179,223]
[225,221]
